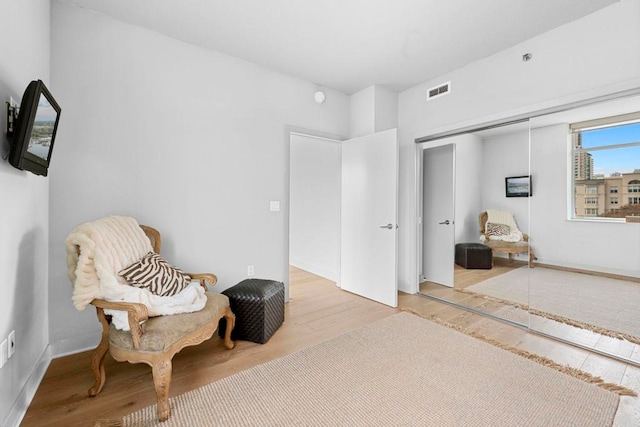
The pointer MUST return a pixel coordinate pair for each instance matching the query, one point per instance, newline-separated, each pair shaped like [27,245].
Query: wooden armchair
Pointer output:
[509,248]
[155,340]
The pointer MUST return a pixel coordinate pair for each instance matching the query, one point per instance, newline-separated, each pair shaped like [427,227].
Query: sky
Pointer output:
[45,112]
[623,160]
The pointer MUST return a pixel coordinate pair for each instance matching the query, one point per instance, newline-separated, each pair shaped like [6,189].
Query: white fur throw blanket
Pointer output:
[506,218]
[98,250]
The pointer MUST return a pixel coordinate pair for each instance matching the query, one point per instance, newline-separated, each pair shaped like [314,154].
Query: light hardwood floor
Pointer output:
[463,278]
[316,312]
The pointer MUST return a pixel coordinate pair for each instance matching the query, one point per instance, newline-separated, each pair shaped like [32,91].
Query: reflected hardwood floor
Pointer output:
[464,278]
[316,312]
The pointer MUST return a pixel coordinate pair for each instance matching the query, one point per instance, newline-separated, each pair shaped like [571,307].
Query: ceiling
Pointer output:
[348,45]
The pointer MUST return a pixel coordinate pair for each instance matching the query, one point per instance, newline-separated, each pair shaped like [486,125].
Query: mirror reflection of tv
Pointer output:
[32,142]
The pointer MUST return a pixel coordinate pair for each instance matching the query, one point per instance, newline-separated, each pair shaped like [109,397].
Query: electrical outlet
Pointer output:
[3,353]
[12,344]
[250,271]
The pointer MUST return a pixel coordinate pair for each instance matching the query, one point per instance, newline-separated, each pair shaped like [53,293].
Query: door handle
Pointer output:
[388,226]
[444,222]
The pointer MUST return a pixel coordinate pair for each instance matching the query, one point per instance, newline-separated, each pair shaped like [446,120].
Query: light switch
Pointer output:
[274,206]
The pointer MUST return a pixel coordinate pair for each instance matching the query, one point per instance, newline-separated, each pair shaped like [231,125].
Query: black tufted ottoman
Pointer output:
[473,255]
[259,308]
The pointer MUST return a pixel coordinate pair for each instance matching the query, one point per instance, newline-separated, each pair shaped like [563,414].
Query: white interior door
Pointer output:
[369,211]
[438,215]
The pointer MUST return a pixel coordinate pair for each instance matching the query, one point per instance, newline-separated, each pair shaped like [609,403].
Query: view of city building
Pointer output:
[614,194]
[606,196]
[582,161]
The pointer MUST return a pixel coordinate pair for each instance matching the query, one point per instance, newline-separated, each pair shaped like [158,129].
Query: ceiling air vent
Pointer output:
[438,91]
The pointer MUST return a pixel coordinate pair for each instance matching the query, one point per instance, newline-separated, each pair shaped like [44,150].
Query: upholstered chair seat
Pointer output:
[162,332]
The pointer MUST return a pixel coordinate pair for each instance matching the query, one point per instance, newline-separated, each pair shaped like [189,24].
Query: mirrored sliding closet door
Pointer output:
[538,223]
[585,226]
[475,220]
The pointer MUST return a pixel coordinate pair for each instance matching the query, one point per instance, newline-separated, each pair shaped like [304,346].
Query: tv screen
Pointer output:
[32,142]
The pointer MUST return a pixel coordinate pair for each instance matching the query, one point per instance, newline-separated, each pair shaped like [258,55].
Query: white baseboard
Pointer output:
[330,275]
[22,402]
[576,266]
[74,345]
[53,351]
[591,267]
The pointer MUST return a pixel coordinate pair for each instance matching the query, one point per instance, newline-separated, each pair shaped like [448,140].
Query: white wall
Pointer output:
[373,109]
[314,215]
[469,157]
[188,140]
[386,109]
[362,112]
[24,211]
[590,57]
[507,155]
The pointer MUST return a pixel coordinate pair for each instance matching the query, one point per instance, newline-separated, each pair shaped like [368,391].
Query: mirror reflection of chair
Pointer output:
[137,325]
[499,231]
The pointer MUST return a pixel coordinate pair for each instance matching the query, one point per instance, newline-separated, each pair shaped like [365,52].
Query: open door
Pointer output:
[438,215]
[369,211]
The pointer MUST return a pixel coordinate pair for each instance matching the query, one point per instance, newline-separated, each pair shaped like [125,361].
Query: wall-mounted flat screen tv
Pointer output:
[32,142]
[518,186]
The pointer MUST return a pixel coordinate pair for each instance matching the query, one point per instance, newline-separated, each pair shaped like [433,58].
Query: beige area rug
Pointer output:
[402,370]
[605,305]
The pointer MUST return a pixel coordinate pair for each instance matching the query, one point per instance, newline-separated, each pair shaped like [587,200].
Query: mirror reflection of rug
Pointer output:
[605,305]
[401,370]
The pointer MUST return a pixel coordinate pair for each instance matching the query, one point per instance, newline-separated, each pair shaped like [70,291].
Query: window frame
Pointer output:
[618,190]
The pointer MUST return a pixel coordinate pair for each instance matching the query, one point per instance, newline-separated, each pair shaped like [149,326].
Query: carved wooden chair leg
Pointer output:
[97,358]
[161,370]
[531,257]
[230,319]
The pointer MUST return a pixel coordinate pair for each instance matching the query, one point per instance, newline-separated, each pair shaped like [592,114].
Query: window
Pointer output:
[606,159]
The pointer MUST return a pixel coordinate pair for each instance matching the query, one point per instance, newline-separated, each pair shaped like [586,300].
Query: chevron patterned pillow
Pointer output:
[154,273]
[498,229]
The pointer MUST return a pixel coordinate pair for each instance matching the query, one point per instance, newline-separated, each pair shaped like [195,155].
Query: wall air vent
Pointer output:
[438,91]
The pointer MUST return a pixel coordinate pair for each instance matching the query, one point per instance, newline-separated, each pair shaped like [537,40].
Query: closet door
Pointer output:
[481,277]
[585,166]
